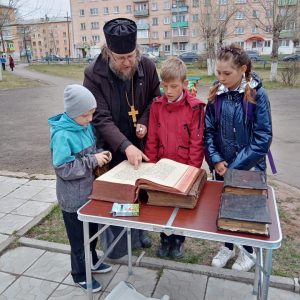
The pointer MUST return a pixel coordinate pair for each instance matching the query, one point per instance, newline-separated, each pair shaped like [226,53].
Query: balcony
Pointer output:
[287,2]
[140,1]
[143,41]
[180,24]
[179,9]
[287,34]
[180,39]
[141,13]
[145,26]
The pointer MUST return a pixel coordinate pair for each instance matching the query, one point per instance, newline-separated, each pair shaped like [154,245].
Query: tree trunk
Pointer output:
[211,55]
[274,55]
[273,72]
[1,78]
[211,66]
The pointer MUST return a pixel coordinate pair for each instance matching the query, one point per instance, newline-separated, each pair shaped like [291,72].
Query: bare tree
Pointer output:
[214,25]
[280,16]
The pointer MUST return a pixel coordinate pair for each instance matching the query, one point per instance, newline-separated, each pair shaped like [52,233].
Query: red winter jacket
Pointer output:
[175,130]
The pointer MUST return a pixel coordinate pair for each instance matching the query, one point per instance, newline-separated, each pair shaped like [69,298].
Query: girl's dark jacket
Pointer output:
[232,137]
[98,79]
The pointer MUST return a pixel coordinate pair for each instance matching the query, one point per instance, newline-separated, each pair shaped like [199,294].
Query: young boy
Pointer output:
[175,131]
[74,158]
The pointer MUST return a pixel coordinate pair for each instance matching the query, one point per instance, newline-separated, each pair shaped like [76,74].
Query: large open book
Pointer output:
[122,183]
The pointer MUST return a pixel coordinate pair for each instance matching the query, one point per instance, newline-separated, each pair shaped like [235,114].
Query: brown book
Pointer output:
[121,183]
[178,200]
[242,182]
[244,213]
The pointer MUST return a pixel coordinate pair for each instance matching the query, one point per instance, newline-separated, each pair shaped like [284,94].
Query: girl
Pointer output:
[232,138]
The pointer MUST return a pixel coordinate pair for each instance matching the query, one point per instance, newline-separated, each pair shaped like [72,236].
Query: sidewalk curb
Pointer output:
[26,175]
[279,282]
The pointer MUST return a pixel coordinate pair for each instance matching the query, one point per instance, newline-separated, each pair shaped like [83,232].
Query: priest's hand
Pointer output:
[135,156]
[221,167]
[141,130]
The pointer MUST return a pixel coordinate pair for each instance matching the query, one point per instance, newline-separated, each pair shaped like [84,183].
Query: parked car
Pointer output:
[53,57]
[151,56]
[292,57]
[189,57]
[89,59]
[254,55]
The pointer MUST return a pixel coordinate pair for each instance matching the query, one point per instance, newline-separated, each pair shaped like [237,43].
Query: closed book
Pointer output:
[244,213]
[121,183]
[243,182]
[125,210]
[178,200]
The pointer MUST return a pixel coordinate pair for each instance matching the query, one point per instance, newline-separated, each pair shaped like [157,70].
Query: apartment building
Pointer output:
[45,36]
[170,27]
[8,33]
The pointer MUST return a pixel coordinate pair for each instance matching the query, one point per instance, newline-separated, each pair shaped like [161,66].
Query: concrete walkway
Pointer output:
[32,269]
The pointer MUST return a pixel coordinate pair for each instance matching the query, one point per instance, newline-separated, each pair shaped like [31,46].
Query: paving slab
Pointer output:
[27,288]
[51,266]
[13,260]
[46,195]
[12,223]
[3,237]
[180,285]
[282,295]
[9,203]
[31,208]
[144,280]
[5,281]
[42,183]
[7,187]
[26,192]
[19,181]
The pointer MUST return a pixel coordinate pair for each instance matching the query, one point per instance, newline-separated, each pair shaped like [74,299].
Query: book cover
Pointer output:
[245,213]
[125,210]
[121,183]
[178,200]
[243,182]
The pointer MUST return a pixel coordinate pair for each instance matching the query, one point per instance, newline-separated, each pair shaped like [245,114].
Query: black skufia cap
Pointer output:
[120,35]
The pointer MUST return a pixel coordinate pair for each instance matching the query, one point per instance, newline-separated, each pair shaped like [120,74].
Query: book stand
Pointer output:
[199,222]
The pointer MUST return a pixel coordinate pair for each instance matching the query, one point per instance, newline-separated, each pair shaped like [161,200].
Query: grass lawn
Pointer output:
[12,81]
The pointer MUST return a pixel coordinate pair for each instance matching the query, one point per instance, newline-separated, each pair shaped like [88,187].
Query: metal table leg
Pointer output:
[258,273]
[129,251]
[87,253]
[266,278]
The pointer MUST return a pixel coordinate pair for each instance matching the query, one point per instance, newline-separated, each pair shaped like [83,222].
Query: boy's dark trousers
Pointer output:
[74,228]
[171,238]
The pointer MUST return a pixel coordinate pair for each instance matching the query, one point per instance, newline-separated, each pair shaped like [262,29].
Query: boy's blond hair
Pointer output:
[173,68]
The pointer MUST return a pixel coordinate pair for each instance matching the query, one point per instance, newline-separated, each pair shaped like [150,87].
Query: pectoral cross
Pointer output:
[133,113]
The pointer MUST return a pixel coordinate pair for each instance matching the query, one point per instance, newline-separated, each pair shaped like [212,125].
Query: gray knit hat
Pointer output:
[78,100]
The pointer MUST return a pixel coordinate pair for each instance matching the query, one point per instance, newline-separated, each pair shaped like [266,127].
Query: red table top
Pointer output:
[200,221]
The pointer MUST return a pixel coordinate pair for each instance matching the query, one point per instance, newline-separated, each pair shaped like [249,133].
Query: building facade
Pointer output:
[45,37]
[170,27]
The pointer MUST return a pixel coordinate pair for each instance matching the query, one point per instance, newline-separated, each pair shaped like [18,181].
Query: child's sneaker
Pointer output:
[96,286]
[223,256]
[103,268]
[243,262]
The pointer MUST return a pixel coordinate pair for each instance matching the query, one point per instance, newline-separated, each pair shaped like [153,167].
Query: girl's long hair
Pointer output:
[235,54]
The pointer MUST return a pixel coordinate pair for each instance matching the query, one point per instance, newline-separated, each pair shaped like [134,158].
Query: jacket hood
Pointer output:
[63,122]
[255,83]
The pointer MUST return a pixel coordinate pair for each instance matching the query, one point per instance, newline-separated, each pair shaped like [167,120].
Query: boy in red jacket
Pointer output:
[175,131]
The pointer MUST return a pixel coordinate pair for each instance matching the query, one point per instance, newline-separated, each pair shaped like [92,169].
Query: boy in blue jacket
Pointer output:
[74,158]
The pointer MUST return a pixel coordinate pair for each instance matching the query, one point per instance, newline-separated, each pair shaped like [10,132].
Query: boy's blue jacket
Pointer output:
[242,143]
[73,147]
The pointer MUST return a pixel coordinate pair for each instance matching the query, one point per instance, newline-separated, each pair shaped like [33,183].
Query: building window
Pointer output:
[33,44]
[39,43]
[195,3]
[289,26]
[95,25]
[167,20]
[241,43]
[94,11]
[143,34]
[81,12]
[284,43]
[223,2]
[254,29]
[182,46]
[239,30]
[207,3]
[195,18]
[167,48]
[154,6]
[105,10]
[269,13]
[255,14]
[239,15]
[194,33]
[155,21]
[82,26]
[128,8]
[167,34]
[240,1]
[96,38]
[116,9]
[268,43]
[180,31]
[268,29]
[155,35]
[195,47]
[167,5]
[83,38]
[223,15]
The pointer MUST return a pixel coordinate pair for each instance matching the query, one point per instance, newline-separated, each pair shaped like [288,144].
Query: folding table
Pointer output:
[199,222]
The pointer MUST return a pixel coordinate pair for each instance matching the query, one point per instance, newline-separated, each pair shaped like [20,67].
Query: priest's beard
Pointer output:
[122,75]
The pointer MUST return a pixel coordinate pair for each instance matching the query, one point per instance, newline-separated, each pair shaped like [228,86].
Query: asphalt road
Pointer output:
[24,131]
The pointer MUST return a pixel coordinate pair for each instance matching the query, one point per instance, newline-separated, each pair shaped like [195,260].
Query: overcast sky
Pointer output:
[38,8]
